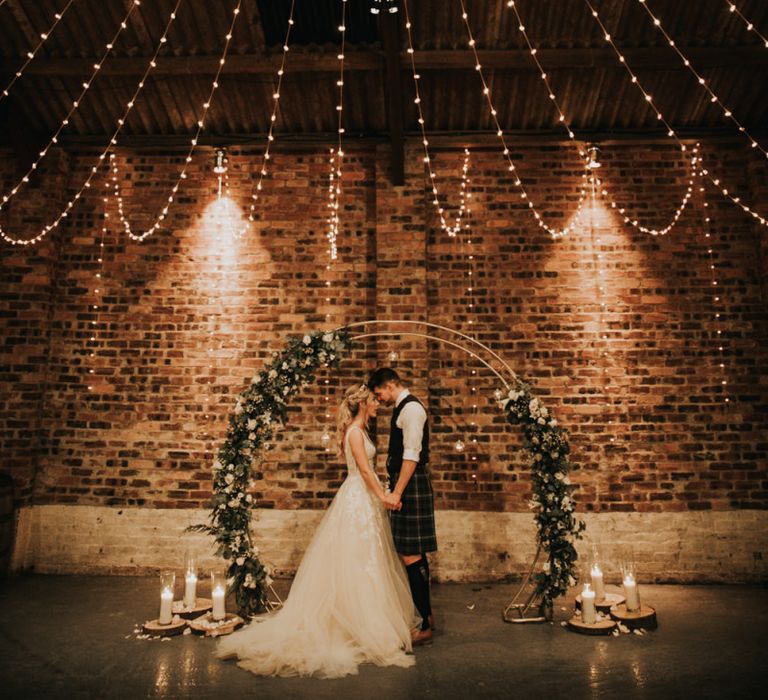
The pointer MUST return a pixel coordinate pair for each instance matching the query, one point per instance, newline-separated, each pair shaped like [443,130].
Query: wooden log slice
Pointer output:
[201,605]
[644,618]
[604,626]
[205,624]
[176,626]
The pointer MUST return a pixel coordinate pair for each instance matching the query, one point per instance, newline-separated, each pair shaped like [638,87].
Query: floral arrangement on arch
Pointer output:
[552,502]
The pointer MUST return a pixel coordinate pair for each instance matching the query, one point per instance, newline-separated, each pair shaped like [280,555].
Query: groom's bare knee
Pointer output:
[409,559]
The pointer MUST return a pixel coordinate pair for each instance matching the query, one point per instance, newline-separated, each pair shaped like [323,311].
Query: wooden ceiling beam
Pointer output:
[658,58]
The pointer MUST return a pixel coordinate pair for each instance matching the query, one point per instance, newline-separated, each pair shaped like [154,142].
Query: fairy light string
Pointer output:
[575,220]
[266,156]
[85,86]
[749,25]
[30,55]
[158,220]
[103,155]
[562,119]
[715,289]
[671,133]
[713,97]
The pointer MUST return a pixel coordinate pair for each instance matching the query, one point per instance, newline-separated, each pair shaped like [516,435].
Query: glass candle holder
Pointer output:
[167,583]
[218,594]
[629,581]
[596,572]
[588,611]
[190,580]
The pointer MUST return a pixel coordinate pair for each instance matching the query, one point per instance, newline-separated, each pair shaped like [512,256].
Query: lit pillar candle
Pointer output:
[631,593]
[190,590]
[597,583]
[166,606]
[588,616]
[219,613]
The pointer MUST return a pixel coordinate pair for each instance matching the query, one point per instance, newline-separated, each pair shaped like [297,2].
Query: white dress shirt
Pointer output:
[411,421]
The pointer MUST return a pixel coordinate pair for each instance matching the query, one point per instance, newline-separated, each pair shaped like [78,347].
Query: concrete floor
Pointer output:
[65,636]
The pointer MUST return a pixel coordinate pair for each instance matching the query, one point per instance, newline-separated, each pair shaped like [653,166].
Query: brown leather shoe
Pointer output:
[431,621]
[421,637]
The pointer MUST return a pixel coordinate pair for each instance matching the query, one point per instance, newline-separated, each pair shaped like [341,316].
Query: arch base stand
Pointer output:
[535,608]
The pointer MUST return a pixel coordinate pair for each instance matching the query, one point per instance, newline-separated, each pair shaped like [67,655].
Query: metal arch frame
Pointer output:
[533,599]
[427,324]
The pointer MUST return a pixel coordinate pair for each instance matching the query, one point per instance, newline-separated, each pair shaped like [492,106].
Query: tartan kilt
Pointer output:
[413,526]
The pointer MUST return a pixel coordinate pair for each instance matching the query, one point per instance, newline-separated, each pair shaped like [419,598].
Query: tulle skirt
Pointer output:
[349,604]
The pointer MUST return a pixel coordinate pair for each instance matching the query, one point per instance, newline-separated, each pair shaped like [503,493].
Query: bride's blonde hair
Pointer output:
[354,399]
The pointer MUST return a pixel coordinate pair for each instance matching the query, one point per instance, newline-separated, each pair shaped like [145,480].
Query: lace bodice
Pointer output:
[370,451]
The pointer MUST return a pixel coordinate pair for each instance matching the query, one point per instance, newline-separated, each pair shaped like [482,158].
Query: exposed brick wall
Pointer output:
[187,319]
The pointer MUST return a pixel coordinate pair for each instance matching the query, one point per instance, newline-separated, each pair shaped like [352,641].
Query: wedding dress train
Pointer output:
[350,602]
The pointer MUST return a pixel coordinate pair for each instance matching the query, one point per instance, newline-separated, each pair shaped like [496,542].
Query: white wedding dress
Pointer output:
[350,602]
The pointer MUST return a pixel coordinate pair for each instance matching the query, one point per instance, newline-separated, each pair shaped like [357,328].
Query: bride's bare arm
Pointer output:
[361,458]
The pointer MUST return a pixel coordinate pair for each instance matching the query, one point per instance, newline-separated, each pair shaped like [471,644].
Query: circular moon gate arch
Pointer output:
[262,408]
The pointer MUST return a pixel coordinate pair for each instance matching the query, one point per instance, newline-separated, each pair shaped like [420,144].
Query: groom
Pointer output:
[413,524]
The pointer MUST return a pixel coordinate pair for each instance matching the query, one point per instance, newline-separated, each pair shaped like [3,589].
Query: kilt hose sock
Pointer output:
[418,579]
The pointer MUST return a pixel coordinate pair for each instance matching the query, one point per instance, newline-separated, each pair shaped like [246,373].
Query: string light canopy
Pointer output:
[266,156]
[713,98]
[749,25]
[85,87]
[112,141]
[660,117]
[33,52]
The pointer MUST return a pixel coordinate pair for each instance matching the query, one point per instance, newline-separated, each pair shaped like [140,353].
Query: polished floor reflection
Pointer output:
[72,637]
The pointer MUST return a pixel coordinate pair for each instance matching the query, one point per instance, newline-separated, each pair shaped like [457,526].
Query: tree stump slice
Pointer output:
[176,626]
[605,605]
[644,618]
[604,626]
[205,624]
[201,605]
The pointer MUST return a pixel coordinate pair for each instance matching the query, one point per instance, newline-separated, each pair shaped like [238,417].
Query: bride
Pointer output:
[350,602]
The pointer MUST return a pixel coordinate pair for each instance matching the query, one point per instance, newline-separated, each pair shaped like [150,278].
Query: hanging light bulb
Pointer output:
[593,158]
[498,394]
[325,440]
[459,446]
[221,161]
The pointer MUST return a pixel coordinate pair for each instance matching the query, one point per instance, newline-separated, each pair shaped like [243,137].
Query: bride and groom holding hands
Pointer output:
[361,593]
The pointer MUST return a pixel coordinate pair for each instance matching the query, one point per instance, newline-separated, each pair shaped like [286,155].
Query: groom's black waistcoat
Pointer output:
[396,446]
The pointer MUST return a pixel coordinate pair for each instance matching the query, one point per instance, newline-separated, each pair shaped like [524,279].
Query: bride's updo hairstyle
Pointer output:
[354,399]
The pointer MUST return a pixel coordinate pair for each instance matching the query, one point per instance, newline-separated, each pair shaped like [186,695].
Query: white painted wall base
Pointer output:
[719,546]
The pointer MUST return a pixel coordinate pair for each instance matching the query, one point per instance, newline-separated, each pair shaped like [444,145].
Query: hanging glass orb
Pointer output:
[394,356]
[498,394]
[459,446]
[325,439]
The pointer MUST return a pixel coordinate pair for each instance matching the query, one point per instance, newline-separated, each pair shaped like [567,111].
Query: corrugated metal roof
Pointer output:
[596,98]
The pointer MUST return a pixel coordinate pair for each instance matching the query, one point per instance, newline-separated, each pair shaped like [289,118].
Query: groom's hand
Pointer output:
[392,501]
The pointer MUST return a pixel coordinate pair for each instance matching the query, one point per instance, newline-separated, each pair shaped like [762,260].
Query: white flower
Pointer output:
[540,421]
[307,340]
[248,498]
[238,408]
[286,390]
[233,503]
[567,480]
[559,476]
[533,405]
[543,411]
[272,373]
[240,561]
[546,567]
[252,424]
[285,365]
[216,465]
[328,337]
[251,436]
[513,395]
[553,422]
[555,454]
[229,478]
